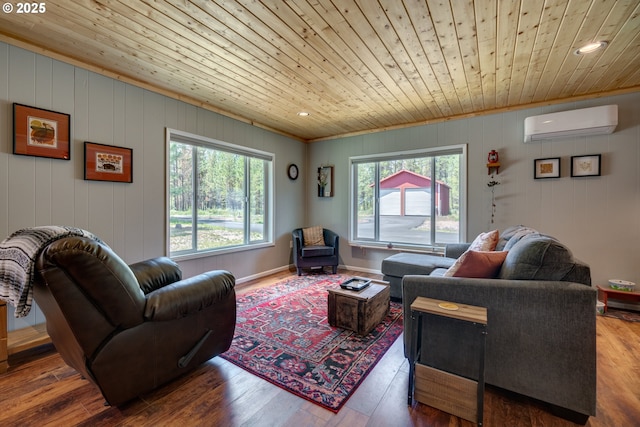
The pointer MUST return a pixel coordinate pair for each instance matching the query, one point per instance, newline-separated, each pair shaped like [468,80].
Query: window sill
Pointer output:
[222,251]
[427,250]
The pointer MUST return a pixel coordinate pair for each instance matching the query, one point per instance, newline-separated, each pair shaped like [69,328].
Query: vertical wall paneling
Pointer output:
[598,218]
[152,174]
[101,129]
[129,217]
[79,134]
[62,100]
[43,167]
[119,139]
[22,210]
[132,247]
[6,117]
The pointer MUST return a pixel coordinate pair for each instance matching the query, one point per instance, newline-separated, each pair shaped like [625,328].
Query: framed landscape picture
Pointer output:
[107,163]
[546,168]
[41,133]
[585,165]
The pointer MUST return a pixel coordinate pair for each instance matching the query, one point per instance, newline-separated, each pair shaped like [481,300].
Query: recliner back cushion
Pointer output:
[537,257]
[103,277]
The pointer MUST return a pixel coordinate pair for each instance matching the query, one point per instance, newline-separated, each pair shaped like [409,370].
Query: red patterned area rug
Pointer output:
[283,336]
[628,315]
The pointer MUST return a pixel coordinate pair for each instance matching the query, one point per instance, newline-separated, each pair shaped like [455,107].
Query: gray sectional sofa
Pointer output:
[541,309]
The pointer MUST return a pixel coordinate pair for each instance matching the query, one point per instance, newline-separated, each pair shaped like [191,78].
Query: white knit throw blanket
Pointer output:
[18,254]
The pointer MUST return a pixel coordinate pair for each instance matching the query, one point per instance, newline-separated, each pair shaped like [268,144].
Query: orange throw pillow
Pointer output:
[477,264]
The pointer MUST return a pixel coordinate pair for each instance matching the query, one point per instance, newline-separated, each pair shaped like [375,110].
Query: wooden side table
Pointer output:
[605,292]
[448,392]
[20,340]
[4,364]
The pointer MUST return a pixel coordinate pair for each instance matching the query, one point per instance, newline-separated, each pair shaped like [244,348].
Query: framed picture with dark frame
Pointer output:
[107,163]
[585,165]
[41,133]
[546,168]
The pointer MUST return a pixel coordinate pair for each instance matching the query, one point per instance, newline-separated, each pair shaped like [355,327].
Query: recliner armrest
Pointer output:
[155,273]
[188,296]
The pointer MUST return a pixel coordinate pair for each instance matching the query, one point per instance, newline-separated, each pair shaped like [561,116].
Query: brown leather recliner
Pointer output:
[130,329]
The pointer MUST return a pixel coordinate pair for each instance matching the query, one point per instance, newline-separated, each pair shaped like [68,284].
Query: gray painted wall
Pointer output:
[128,217]
[598,218]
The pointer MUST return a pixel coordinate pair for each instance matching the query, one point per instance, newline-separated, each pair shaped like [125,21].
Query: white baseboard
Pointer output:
[362,270]
[262,274]
[290,266]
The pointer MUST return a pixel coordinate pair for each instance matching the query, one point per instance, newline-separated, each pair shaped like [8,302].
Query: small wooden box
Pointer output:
[451,393]
[447,392]
[359,311]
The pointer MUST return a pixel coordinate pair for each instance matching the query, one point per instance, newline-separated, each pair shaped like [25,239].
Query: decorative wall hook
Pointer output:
[493,162]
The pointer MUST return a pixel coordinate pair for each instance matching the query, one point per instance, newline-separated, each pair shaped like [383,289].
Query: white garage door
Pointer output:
[390,202]
[417,201]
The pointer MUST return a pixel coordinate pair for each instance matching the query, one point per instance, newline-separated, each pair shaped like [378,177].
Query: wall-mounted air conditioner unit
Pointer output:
[586,121]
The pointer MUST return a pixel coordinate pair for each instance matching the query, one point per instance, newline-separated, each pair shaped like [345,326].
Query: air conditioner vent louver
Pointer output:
[586,121]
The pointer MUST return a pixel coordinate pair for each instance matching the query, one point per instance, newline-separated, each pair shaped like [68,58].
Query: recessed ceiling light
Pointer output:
[303,114]
[591,47]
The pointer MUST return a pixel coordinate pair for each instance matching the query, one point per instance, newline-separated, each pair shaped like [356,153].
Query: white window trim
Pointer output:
[438,249]
[205,141]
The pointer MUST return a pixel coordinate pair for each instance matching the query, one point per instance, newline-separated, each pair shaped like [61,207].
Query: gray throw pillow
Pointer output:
[517,232]
[518,236]
[537,257]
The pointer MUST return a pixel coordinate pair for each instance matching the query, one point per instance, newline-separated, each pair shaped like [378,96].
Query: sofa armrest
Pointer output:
[332,239]
[155,273]
[454,250]
[189,296]
[298,241]
[541,339]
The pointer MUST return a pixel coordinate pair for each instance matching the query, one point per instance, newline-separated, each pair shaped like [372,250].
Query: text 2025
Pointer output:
[32,7]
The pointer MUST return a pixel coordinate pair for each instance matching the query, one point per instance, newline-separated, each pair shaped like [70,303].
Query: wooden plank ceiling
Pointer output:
[355,65]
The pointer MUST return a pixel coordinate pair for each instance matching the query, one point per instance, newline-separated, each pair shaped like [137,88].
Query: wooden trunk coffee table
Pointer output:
[359,311]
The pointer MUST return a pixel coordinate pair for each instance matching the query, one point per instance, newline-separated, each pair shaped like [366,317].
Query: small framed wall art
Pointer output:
[585,165]
[107,163]
[41,133]
[546,168]
[325,181]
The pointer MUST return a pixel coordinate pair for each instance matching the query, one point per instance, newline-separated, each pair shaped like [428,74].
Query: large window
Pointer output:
[219,195]
[409,199]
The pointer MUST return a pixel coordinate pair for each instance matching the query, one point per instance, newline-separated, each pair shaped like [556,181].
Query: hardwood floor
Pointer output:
[39,389]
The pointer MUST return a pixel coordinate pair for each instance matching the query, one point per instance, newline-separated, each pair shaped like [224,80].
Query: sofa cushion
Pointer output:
[313,251]
[438,272]
[477,264]
[537,257]
[485,241]
[401,264]
[455,250]
[313,236]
